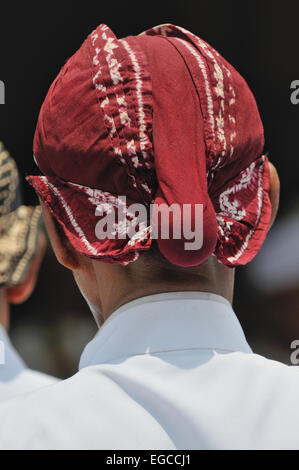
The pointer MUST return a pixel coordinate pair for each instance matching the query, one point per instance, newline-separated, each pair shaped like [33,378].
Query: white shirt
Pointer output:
[15,377]
[169,371]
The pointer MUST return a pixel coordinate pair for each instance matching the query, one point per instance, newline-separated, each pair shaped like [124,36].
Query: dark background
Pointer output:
[260,38]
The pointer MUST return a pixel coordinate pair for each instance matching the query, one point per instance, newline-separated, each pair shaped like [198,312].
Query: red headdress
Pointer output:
[159,118]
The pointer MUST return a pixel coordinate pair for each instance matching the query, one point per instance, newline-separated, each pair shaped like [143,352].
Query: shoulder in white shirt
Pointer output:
[169,371]
[15,377]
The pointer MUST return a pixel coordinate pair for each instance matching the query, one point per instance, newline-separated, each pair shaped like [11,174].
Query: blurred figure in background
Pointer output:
[22,246]
[274,275]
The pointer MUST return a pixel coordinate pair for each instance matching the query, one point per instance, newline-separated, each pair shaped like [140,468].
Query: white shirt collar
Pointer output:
[166,322]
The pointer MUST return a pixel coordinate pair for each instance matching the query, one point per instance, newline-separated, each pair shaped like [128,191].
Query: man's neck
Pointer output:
[118,286]
[4,309]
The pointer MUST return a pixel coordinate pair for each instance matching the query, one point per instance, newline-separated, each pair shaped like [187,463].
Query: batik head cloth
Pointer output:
[160,117]
[20,225]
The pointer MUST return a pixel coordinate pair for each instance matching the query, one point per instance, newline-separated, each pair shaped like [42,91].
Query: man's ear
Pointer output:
[20,293]
[274,191]
[62,248]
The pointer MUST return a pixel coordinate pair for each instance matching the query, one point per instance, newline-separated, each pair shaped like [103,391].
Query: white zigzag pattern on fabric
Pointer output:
[72,219]
[141,115]
[231,209]
[166,30]
[116,78]
[219,89]
[252,231]
[107,201]
[99,86]
[203,69]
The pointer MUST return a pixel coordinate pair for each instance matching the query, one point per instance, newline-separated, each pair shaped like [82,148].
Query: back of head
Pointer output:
[148,131]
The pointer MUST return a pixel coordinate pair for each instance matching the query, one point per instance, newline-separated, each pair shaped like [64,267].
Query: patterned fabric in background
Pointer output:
[19,225]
